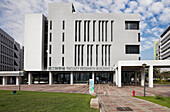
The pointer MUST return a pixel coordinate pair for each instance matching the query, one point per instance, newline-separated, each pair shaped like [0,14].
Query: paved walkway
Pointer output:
[114,99]
[111,103]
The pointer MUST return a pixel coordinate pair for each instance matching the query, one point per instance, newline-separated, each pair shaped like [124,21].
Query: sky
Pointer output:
[155,16]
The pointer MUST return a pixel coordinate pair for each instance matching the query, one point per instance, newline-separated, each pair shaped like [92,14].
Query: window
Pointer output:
[76,31]
[49,61]
[84,31]
[105,55]
[50,25]
[62,49]
[79,30]
[106,31]
[139,58]
[138,37]
[99,30]
[63,25]
[132,25]
[62,61]
[50,37]
[102,54]
[132,49]
[75,55]
[102,30]
[109,56]
[87,55]
[97,55]
[82,55]
[88,31]
[78,55]
[94,30]
[63,37]
[91,55]
[50,49]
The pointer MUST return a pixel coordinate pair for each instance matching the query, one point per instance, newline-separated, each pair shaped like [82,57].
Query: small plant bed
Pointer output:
[28,101]
[158,99]
[163,82]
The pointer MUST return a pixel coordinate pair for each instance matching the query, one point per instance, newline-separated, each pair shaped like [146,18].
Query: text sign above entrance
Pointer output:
[80,68]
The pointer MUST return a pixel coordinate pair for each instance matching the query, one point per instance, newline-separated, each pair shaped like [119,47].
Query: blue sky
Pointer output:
[155,16]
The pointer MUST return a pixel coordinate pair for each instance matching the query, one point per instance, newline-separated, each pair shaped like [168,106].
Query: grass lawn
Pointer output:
[164,102]
[44,102]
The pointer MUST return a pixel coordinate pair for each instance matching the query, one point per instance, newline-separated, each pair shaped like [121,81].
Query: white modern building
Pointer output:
[11,57]
[70,47]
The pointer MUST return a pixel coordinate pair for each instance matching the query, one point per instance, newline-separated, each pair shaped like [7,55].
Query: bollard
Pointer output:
[133,93]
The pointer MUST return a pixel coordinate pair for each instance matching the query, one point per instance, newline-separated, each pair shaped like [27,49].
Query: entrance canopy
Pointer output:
[134,65]
[12,73]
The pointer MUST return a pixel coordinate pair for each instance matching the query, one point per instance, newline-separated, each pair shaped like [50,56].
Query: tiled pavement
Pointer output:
[115,97]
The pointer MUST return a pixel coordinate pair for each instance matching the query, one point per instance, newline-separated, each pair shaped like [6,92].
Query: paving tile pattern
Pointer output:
[111,103]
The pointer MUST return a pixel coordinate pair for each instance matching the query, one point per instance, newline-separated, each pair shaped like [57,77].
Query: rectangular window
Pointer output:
[75,55]
[99,31]
[62,61]
[111,31]
[63,25]
[102,30]
[76,31]
[87,55]
[106,31]
[82,55]
[84,31]
[97,46]
[138,37]
[62,49]
[91,55]
[50,25]
[105,55]
[132,25]
[88,31]
[79,31]
[49,61]
[50,37]
[78,55]
[139,58]
[132,49]
[94,30]
[63,37]
[102,54]
[50,49]
[109,55]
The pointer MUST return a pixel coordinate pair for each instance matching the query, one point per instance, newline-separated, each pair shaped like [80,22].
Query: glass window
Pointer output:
[132,49]
[62,49]
[50,49]
[63,25]
[50,37]
[49,61]
[62,61]
[50,25]
[132,25]
[81,77]
[138,37]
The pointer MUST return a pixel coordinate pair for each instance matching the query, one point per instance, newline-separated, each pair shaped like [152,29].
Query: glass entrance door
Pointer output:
[103,78]
[61,78]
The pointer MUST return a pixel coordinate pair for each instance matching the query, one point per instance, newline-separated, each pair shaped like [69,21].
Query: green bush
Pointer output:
[158,97]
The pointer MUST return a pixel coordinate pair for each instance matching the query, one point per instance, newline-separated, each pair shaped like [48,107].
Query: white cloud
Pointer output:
[156,7]
[142,25]
[145,3]
[165,16]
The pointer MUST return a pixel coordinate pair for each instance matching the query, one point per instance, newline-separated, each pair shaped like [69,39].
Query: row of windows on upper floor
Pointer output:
[104,54]
[6,60]
[6,41]
[102,29]
[5,68]
[6,51]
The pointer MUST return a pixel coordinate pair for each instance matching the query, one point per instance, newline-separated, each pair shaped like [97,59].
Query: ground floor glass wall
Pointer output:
[81,78]
[40,78]
[61,78]
[1,80]
[103,78]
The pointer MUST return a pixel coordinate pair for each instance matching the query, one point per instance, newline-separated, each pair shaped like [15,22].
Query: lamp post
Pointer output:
[144,65]
[19,80]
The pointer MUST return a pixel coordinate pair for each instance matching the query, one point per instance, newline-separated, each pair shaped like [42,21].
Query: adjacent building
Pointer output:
[71,48]
[11,55]
[163,46]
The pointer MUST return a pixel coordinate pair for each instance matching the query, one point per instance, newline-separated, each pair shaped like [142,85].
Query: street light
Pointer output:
[19,79]
[144,65]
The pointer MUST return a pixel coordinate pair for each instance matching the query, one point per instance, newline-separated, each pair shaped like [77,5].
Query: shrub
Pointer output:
[158,97]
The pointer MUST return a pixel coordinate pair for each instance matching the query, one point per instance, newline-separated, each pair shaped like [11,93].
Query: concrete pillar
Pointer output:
[93,75]
[151,76]
[29,78]
[119,76]
[116,76]
[136,77]
[142,77]
[71,78]
[4,80]
[50,78]
[17,80]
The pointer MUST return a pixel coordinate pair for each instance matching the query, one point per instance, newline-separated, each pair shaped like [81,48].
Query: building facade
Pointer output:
[11,56]
[72,48]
